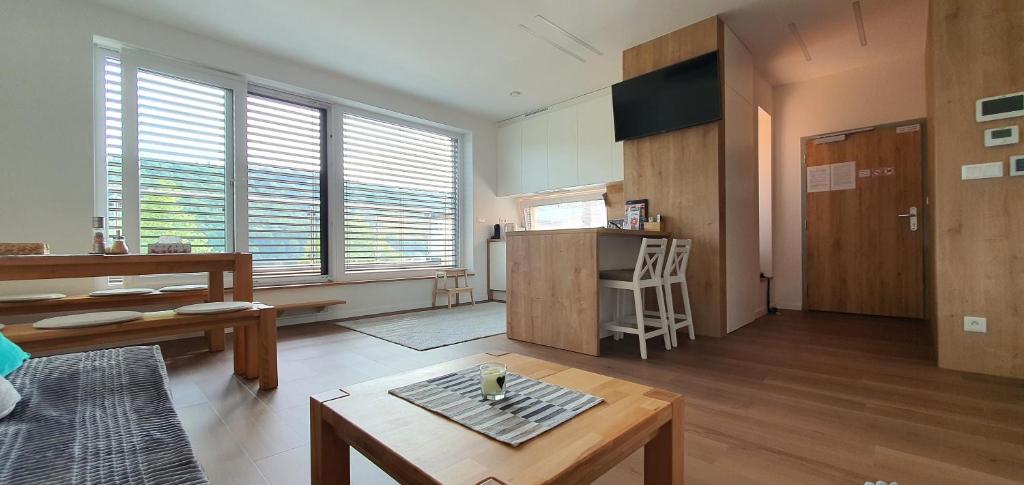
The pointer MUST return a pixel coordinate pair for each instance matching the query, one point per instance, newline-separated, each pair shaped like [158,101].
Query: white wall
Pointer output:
[742,263]
[871,95]
[46,135]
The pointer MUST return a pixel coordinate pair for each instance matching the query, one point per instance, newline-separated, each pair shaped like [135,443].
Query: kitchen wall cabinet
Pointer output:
[596,129]
[563,149]
[535,154]
[567,145]
[510,156]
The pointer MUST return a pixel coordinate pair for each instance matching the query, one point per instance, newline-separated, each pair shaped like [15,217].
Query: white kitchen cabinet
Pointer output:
[596,140]
[510,159]
[566,146]
[535,154]
[496,265]
[563,148]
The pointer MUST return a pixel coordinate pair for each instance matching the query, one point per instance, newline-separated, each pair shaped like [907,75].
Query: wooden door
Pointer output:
[862,255]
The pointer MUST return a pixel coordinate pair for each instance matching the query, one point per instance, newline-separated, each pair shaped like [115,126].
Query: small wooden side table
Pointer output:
[414,445]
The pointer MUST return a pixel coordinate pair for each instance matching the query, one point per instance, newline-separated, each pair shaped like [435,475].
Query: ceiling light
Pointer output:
[570,35]
[859,17]
[800,40]
[515,94]
[552,44]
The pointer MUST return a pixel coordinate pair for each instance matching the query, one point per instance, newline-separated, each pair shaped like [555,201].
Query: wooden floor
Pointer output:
[806,398]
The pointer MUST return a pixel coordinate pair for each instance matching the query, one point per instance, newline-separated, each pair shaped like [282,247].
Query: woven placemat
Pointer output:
[530,407]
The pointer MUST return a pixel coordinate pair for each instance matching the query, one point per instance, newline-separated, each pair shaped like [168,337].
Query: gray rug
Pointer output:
[530,407]
[435,328]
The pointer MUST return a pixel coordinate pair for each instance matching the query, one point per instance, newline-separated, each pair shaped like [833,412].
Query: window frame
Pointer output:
[524,204]
[328,158]
[236,171]
[460,191]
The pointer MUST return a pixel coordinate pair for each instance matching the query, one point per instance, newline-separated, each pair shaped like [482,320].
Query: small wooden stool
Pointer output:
[443,276]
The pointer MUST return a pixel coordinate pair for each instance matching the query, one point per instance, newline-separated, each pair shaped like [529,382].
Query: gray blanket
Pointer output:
[101,417]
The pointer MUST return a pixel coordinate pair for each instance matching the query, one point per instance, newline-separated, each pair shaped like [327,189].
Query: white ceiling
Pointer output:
[471,53]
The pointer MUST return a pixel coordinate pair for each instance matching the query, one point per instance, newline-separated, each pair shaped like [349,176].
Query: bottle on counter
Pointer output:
[98,237]
[119,246]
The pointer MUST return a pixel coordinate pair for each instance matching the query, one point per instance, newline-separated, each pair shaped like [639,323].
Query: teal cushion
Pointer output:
[11,356]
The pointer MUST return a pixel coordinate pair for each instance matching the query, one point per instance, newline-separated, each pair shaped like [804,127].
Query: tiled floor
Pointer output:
[797,398]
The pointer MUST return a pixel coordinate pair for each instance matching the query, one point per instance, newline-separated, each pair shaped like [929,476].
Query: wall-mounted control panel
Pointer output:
[1016,165]
[981,171]
[1000,107]
[1006,135]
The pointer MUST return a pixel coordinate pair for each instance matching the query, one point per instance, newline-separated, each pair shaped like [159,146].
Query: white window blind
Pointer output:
[112,141]
[183,146]
[400,196]
[286,157]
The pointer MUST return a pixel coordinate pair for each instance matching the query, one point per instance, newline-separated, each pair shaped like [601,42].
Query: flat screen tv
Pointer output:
[673,97]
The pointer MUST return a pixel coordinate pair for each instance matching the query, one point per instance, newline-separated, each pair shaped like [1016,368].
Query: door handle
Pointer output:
[912,214]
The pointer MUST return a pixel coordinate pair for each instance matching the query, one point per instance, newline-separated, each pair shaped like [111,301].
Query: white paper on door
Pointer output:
[818,179]
[843,176]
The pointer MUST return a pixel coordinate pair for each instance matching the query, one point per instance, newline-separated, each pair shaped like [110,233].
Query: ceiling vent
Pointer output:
[552,43]
[859,18]
[800,40]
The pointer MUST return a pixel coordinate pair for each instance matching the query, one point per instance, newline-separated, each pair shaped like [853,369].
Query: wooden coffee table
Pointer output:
[414,445]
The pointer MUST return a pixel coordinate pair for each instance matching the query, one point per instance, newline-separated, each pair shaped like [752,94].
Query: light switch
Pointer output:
[975,324]
[981,171]
[1016,165]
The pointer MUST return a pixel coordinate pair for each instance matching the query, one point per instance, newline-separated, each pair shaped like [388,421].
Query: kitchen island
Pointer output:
[553,297]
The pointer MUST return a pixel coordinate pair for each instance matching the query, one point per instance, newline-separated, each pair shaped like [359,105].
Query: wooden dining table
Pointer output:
[52,266]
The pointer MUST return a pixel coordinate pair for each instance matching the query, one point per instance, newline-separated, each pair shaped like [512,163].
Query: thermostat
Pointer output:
[1016,165]
[1007,135]
[1000,107]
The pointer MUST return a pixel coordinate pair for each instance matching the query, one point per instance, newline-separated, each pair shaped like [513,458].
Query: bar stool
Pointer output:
[675,272]
[646,274]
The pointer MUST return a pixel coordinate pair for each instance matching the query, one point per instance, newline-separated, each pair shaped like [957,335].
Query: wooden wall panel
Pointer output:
[552,282]
[975,48]
[681,173]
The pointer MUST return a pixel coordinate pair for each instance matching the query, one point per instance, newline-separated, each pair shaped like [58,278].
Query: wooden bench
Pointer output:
[258,354]
[52,266]
[320,305]
[86,302]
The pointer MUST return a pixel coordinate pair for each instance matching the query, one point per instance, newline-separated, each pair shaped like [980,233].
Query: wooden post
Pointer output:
[267,330]
[215,292]
[243,291]
[329,459]
[663,455]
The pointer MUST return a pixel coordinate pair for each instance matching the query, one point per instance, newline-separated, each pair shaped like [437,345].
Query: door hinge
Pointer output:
[805,224]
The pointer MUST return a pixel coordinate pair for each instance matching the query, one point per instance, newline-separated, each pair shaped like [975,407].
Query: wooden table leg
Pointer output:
[252,352]
[433,294]
[245,340]
[268,349]
[215,292]
[663,455]
[239,350]
[330,455]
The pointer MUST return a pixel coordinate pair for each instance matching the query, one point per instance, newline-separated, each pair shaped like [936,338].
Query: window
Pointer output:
[286,163]
[567,215]
[111,134]
[183,146]
[400,196]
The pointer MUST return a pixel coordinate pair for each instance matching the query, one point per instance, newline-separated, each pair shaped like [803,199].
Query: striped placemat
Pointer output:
[530,407]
